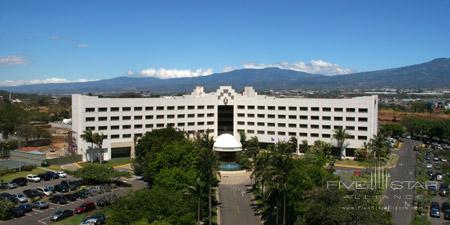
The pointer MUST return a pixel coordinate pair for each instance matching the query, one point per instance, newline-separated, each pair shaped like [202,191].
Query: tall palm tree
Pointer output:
[304,146]
[209,164]
[340,135]
[97,139]
[293,144]
[87,137]
[196,191]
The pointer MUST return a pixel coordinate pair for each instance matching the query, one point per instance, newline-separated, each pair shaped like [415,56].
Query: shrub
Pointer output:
[5,209]
[27,167]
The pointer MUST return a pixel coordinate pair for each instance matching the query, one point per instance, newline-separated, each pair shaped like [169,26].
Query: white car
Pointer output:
[21,198]
[46,191]
[61,174]
[444,160]
[429,166]
[33,178]
[439,177]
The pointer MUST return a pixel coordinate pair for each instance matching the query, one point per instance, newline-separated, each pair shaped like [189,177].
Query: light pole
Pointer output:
[276,215]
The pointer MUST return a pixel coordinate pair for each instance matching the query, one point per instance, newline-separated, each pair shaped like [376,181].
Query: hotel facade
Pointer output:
[271,119]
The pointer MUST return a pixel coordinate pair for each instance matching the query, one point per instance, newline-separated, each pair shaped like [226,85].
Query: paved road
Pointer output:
[235,200]
[399,202]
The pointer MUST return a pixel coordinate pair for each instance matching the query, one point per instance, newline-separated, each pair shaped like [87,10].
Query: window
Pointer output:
[181,107]
[271,132]
[90,119]
[149,125]
[260,132]
[149,117]
[362,128]
[326,109]
[170,125]
[210,122]
[191,107]
[137,126]
[201,115]
[281,125]
[210,115]
[159,116]
[326,127]
[271,124]
[260,124]
[137,108]
[191,124]
[338,109]
[351,137]
[292,117]
[250,123]
[103,128]
[362,119]
[210,107]
[241,123]
[337,127]
[281,133]
[137,117]
[114,118]
[241,115]
[180,116]
[170,107]
[200,107]
[349,127]
[315,109]
[103,109]
[326,117]
[281,107]
[251,115]
[271,107]
[261,115]
[271,116]
[261,107]
[160,125]
[281,116]
[303,125]
[241,106]
[250,107]
[362,110]
[303,134]
[115,127]
[250,131]
[114,109]
[326,135]
[362,138]
[138,135]
[303,117]
[314,135]
[314,126]
[126,135]
[126,109]
[90,128]
[90,109]
[159,108]
[115,136]
[350,118]
[171,116]
[180,124]
[103,118]
[126,117]
[338,118]
[303,108]
[292,125]
[126,127]
[291,134]
[350,109]
[314,117]
[292,108]
[149,108]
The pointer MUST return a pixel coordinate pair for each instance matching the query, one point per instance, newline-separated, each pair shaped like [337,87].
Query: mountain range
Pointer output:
[432,74]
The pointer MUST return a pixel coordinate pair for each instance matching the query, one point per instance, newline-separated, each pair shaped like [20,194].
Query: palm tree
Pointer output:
[97,139]
[196,191]
[260,173]
[87,137]
[252,148]
[293,144]
[304,146]
[340,135]
[209,164]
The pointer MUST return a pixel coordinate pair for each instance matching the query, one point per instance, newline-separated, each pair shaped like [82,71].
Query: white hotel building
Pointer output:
[271,119]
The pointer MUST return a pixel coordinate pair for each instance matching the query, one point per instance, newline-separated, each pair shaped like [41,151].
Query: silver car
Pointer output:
[21,198]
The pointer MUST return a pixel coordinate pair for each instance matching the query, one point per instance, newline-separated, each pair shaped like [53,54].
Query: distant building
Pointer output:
[269,118]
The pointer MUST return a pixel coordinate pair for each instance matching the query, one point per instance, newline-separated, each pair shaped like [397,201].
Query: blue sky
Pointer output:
[75,40]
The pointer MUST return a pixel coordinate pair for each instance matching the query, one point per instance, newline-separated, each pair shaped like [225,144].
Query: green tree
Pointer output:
[5,209]
[208,164]
[12,116]
[97,139]
[99,173]
[87,136]
[341,135]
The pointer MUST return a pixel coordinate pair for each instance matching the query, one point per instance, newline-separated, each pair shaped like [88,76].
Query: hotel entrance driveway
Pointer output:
[235,201]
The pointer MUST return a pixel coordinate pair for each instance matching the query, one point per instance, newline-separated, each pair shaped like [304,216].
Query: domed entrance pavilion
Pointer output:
[227,146]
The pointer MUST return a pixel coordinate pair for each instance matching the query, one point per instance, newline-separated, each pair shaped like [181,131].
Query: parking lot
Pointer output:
[42,216]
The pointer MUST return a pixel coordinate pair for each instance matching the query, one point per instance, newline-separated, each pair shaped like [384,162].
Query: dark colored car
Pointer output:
[61,188]
[96,219]
[58,199]
[40,205]
[445,207]
[71,197]
[31,193]
[47,176]
[82,194]
[20,181]
[9,197]
[435,210]
[17,212]
[59,215]
[447,216]
[25,207]
[85,207]
[101,202]
[4,186]
[443,189]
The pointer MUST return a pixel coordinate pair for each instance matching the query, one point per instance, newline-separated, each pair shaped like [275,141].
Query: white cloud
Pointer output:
[81,45]
[10,60]
[314,66]
[164,73]
[52,80]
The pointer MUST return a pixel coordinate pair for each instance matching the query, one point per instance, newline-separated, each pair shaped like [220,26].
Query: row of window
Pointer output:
[302,117]
[147,108]
[301,134]
[293,125]
[158,125]
[150,117]
[117,136]
[301,108]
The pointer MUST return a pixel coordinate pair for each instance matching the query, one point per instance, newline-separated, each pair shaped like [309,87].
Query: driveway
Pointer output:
[235,200]
[400,201]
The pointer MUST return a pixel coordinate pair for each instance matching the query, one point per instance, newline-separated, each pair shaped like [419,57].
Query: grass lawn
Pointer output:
[353,163]
[77,218]
[9,177]
[113,162]
[54,167]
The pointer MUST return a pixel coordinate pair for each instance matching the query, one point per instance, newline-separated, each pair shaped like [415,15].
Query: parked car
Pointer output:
[435,210]
[58,199]
[61,174]
[71,184]
[85,207]
[21,198]
[445,207]
[429,166]
[439,177]
[61,188]
[443,189]
[447,215]
[26,207]
[435,159]
[46,191]
[49,175]
[96,219]
[444,160]
[71,197]
[60,214]
[432,188]
[33,178]
[11,185]
[40,205]
[17,212]
[3,186]
[9,197]
[82,194]
[104,201]
[20,181]
[32,193]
